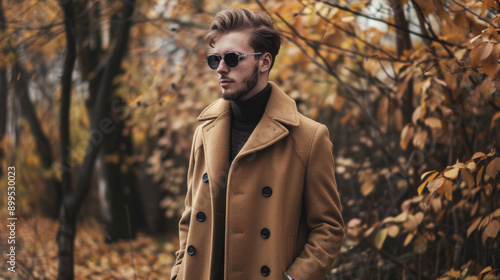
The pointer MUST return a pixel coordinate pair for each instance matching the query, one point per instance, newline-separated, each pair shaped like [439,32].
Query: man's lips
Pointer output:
[224,82]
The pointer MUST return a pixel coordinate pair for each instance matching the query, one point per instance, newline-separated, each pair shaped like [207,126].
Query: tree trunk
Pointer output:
[101,128]
[54,192]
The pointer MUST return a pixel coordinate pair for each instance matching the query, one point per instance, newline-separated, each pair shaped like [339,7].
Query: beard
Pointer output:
[248,83]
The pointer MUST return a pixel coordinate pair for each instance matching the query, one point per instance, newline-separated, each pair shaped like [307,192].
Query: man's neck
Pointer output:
[255,90]
[252,109]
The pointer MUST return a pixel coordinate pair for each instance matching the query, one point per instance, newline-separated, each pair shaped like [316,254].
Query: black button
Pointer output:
[205,178]
[265,271]
[191,250]
[267,191]
[265,233]
[200,216]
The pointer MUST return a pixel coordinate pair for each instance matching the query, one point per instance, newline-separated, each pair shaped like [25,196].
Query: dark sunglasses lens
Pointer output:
[213,61]
[231,59]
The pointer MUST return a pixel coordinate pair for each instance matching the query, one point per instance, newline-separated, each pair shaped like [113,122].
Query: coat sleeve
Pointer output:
[186,215]
[323,212]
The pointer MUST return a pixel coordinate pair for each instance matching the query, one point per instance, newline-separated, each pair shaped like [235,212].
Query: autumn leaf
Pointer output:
[486,5]
[493,167]
[451,173]
[491,230]
[479,53]
[467,177]
[473,226]
[406,135]
[435,184]
[430,178]
[380,238]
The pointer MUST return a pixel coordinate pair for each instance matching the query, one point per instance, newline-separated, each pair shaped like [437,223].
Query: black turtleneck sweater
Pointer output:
[245,117]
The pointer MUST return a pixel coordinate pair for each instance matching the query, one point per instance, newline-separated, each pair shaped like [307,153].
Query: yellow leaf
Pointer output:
[380,238]
[420,138]
[471,165]
[421,187]
[467,177]
[486,269]
[408,239]
[393,230]
[367,188]
[451,173]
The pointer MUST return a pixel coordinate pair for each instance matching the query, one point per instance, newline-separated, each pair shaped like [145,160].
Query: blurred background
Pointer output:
[99,99]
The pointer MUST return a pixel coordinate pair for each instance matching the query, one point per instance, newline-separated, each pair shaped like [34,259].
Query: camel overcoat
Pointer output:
[282,209]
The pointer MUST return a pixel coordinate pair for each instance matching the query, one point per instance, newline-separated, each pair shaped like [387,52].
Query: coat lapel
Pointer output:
[216,142]
[280,111]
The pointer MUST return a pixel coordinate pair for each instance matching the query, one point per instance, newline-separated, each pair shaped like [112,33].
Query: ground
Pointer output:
[145,257]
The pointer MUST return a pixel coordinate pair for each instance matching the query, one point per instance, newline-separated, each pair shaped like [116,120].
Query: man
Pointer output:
[262,200]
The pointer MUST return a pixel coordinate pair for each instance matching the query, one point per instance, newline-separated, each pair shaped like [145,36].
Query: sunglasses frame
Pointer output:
[239,55]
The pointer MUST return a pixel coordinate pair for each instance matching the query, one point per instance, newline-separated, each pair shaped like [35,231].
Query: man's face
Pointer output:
[237,83]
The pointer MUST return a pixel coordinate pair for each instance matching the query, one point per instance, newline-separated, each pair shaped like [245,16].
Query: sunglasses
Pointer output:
[231,59]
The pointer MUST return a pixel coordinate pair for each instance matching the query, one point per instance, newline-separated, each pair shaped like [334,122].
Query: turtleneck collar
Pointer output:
[251,110]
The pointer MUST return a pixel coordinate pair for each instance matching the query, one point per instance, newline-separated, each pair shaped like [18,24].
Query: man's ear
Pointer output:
[266,62]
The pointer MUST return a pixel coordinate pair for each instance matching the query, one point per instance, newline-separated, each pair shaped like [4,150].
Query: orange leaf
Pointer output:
[479,175]
[491,62]
[448,189]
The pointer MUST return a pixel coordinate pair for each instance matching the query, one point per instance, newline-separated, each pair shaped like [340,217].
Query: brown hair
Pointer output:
[266,37]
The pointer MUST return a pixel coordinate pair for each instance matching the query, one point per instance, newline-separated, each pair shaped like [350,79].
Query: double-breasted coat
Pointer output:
[282,209]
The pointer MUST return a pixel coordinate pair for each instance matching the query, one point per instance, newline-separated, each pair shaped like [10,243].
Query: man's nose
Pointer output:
[222,67]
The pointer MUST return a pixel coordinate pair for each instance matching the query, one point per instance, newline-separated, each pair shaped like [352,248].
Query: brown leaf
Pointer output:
[479,175]
[491,230]
[473,226]
[493,167]
[420,138]
[496,117]
[467,177]
[491,62]
[406,136]
[408,239]
[417,114]
[435,184]
[479,53]
[448,189]
[433,122]
[478,155]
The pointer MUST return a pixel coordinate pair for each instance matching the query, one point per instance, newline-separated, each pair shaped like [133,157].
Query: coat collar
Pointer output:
[280,112]
[280,107]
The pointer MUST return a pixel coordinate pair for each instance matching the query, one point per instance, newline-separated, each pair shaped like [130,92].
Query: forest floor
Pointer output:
[145,257]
